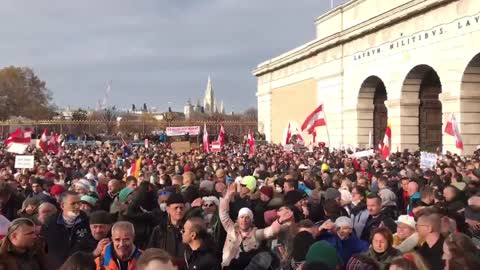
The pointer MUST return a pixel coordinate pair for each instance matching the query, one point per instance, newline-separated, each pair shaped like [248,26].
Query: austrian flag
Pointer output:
[315,119]
[387,142]
[451,128]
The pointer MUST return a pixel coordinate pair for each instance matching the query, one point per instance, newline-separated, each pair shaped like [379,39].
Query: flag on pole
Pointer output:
[315,119]
[451,128]
[221,136]
[17,142]
[251,142]
[43,142]
[314,134]
[52,144]
[206,143]
[387,142]
[289,135]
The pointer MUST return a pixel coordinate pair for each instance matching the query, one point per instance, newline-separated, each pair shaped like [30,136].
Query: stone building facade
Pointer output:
[409,62]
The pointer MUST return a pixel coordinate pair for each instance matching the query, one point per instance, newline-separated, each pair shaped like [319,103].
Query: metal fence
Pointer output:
[238,129]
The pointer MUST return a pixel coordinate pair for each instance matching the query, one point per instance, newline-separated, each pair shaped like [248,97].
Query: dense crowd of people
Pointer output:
[305,209]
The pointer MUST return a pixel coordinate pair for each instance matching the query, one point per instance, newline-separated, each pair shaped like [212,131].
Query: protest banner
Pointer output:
[428,160]
[181,147]
[24,162]
[216,147]
[181,131]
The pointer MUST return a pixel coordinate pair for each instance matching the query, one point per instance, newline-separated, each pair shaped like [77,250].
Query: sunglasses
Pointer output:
[208,205]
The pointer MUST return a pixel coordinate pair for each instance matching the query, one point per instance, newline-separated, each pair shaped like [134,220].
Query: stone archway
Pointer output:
[468,108]
[371,105]
[423,83]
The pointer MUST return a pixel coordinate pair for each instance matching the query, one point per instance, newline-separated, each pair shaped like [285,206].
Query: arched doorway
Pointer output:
[467,117]
[373,94]
[424,82]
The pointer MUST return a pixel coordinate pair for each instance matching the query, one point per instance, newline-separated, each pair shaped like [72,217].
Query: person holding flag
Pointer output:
[221,136]
[251,142]
[206,143]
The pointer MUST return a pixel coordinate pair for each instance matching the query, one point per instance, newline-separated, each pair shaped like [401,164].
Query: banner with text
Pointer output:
[180,131]
[24,162]
[428,160]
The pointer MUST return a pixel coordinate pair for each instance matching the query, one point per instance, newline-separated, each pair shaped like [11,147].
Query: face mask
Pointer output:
[163,207]
[278,189]
[71,214]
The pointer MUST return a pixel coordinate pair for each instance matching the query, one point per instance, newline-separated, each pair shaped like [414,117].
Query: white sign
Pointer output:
[288,148]
[180,131]
[361,154]
[24,162]
[428,160]
[216,147]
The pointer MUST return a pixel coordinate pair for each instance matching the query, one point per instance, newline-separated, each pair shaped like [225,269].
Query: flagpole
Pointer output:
[326,122]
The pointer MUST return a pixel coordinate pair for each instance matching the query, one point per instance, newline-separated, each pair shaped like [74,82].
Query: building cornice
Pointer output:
[384,20]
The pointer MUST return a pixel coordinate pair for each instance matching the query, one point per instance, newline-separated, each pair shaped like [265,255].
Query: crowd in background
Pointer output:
[305,209]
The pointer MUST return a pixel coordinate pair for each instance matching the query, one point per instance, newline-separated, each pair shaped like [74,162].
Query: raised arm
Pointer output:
[227,222]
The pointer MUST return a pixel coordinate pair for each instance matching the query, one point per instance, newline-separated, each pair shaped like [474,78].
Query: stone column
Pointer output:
[403,120]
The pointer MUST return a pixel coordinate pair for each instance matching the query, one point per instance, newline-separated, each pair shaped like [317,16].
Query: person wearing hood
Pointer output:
[342,238]
[389,203]
[406,238]
[359,211]
[381,249]
[68,231]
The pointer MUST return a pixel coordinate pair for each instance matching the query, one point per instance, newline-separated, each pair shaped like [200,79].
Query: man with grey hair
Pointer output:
[45,210]
[121,253]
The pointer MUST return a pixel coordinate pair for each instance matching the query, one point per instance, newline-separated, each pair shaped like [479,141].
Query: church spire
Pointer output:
[222,107]
[209,99]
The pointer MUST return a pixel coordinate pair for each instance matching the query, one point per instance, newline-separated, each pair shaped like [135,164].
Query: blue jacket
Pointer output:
[411,202]
[345,248]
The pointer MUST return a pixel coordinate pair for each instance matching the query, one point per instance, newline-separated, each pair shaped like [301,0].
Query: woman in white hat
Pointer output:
[406,238]
[243,238]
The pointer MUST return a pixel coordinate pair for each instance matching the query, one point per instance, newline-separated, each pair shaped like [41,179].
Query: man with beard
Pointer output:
[100,224]
[68,231]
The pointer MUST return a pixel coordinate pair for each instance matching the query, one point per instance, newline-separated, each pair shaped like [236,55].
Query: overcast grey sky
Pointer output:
[154,51]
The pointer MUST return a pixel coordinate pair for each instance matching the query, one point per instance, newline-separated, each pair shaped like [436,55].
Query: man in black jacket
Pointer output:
[199,254]
[167,235]
[113,189]
[376,218]
[68,231]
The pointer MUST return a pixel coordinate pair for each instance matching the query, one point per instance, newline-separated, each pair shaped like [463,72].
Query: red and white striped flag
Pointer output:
[43,142]
[289,135]
[315,119]
[387,142]
[17,142]
[251,142]
[206,143]
[221,136]
[451,128]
